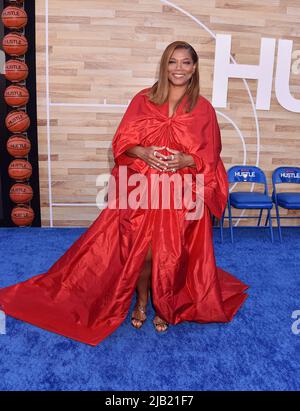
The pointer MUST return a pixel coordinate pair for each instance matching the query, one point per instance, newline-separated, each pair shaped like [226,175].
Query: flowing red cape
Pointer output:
[86,294]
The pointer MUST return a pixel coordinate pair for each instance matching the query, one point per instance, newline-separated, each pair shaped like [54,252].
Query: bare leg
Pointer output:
[143,285]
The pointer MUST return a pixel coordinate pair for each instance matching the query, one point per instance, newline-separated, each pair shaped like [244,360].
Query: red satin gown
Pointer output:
[86,294]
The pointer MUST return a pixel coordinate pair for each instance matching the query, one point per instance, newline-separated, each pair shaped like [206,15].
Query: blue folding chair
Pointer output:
[289,200]
[247,199]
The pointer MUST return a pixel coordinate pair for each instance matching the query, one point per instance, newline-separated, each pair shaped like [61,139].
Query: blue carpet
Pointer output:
[256,351]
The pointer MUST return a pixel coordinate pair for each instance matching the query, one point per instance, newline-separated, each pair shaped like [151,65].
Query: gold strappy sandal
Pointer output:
[141,309]
[160,322]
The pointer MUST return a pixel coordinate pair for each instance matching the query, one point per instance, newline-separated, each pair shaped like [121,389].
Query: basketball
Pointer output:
[16,1]
[16,96]
[15,70]
[20,193]
[20,170]
[14,17]
[15,44]
[22,216]
[17,121]
[18,145]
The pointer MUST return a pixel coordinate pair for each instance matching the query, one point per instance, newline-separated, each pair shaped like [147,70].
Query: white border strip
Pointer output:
[79,205]
[48,113]
[103,105]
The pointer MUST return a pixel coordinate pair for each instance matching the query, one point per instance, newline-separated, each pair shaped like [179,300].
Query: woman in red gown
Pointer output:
[168,129]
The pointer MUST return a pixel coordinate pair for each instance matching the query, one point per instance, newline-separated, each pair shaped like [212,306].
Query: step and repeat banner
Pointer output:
[93,56]
[19,178]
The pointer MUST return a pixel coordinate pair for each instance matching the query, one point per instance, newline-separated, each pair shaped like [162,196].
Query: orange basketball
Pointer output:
[18,145]
[14,17]
[16,96]
[22,216]
[21,193]
[15,44]
[15,70]
[17,121]
[19,170]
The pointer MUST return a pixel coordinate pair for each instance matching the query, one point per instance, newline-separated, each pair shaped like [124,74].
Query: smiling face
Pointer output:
[180,67]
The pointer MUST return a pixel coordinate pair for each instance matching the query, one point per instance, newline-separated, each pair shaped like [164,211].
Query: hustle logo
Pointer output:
[290,174]
[263,73]
[245,174]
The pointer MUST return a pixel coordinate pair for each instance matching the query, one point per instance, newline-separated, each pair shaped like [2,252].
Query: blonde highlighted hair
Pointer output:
[159,92]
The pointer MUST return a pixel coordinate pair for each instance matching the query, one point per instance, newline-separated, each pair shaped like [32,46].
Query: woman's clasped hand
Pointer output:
[173,162]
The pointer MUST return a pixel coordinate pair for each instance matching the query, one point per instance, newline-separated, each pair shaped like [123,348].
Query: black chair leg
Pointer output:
[221,226]
[259,219]
[278,223]
[267,219]
[270,225]
[230,223]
